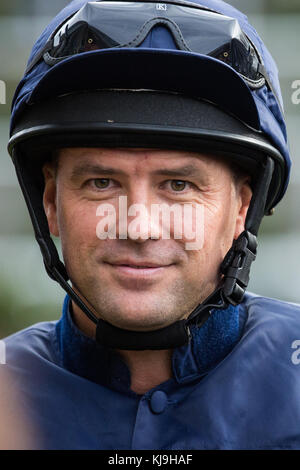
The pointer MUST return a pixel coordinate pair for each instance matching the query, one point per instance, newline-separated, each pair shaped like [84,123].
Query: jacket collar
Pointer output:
[209,345]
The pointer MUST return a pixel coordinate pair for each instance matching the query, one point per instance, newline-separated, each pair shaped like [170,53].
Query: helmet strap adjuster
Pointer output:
[236,266]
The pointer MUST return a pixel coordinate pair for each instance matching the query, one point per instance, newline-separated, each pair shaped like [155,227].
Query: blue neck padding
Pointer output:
[210,344]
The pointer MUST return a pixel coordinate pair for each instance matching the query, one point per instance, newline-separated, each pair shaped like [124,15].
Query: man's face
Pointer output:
[139,282]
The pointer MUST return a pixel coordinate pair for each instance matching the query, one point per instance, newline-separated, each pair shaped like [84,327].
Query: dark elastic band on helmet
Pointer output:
[257,208]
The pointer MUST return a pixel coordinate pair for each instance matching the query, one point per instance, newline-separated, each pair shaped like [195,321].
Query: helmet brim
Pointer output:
[145,119]
[176,71]
[198,103]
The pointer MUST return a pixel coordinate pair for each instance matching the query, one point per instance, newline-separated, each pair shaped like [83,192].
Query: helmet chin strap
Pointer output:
[234,276]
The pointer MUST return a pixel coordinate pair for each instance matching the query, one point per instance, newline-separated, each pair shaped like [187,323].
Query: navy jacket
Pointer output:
[235,387]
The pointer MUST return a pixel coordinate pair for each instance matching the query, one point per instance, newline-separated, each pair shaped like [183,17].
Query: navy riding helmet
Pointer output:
[174,75]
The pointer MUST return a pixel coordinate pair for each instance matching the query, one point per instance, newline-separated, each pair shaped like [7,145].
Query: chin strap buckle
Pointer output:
[236,267]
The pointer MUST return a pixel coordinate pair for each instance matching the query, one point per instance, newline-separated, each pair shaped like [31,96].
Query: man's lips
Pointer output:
[138,268]
[139,263]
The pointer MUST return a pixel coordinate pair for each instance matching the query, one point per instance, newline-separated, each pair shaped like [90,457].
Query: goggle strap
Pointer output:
[263,72]
[39,56]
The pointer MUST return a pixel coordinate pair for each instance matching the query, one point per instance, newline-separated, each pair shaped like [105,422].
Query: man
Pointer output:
[158,346]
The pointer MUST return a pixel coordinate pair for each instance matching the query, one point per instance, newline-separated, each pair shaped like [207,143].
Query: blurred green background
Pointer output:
[27,295]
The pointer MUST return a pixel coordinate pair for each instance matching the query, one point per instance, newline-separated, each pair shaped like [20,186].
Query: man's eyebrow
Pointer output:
[186,170]
[89,168]
[97,169]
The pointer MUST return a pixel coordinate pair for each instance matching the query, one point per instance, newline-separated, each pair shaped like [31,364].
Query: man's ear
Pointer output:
[49,198]
[244,195]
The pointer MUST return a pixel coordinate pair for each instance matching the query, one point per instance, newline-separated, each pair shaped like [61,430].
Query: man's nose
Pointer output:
[140,222]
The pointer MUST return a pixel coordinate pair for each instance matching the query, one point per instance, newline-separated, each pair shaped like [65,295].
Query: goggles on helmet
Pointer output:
[102,25]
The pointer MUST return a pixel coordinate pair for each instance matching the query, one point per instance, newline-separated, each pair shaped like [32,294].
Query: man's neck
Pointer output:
[147,368]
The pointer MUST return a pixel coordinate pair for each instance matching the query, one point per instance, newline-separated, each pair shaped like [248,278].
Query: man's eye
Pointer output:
[178,185]
[102,183]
